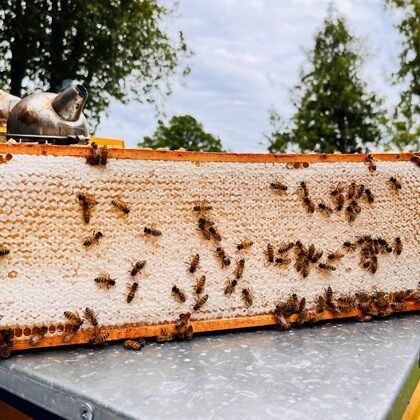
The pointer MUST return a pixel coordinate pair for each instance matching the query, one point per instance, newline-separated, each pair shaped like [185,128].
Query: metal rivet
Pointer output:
[86,411]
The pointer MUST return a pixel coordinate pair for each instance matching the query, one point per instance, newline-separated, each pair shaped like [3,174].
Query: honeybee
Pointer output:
[202,206]
[398,306]
[104,155]
[370,162]
[3,251]
[349,246]
[5,352]
[87,201]
[305,268]
[352,191]
[300,249]
[363,318]
[189,332]
[360,190]
[222,255]
[302,305]
[245,244]
[335,256]
[285,247]
[294,303]
[328,211]
[303,189]
[151,231]
[317,256]
[104,279]
[283,324]
[327,267]
[401,295]
[369,196]
[310,206]
[320,304]
[205,232]
[164,336]
[247,297]
[98,338]
[121,205]
[200,302]
[348,300]
[91,316]
[278,187]
[351,215]
[183,320]
[282,261]
[93,239]
[356,208]
[311,251]
[134,344]
[194,263]
[94,157]
[204,223]
[137,267]
[215,234]
[416,159]
[340,202]
[132,291]
[329,296]
[199,287]
[178,293]
[75,320]
[338,190]
[269,253]
[230,286]
[239,271]
[398,245]
[35,339]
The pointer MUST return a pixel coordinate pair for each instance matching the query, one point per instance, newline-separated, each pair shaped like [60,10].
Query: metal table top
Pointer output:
[337,370]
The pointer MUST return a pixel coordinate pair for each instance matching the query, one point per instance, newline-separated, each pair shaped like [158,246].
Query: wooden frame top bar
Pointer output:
[171,155]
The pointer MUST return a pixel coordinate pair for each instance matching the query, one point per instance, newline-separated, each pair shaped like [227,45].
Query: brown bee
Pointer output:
[349,246]
[269,253]
[348,300]
[104,155]
[98,338]
[401,295]
[416,159]
[303,189]
[398,245]
[183,320]
[282,261]
[285,247]
[75,320]
[352,191]
[329,296]
[398,306]
[230,286]
[310,206]
[151,231]
[247,297]
[245,244]
[205,232]
[189,332]
[327,267]
[311,251]
[294,303]
[164,336]
[121,205]
[300,249]
[369,196]
[137,267]
[3,251]
[204,223]
[317,256]
[215,234]
[356,208]
[94,157]
[178,293]
[132,291]
[91,316]
[328,211]
[239,271]
[93,239]
[199,287]
[335,256]
[363,318]
[278,187]
[35,339]
[351,215]
[305,268]
[320,304]
[134,344]
[202,206]
[340,202]
[370,162]
[283,324]
[87,201]
[222,255]
[338,190]
[194,263]
[104,279]
[200,302]
[360,190]
[374,264]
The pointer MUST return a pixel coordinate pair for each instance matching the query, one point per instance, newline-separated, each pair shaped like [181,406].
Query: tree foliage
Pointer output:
[334,112]
[117,48]
[405,127]
[185,132]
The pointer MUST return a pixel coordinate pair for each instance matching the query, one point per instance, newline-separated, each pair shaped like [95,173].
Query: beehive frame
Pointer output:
[135,329]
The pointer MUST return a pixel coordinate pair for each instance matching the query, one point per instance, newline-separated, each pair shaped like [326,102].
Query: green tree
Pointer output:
[117,48]
[185,132]
[405,125]
[334,112]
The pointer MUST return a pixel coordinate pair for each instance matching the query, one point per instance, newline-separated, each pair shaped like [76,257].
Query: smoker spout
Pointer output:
[69,103]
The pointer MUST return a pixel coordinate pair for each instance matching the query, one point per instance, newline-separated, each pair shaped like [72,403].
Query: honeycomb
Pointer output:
[49,271]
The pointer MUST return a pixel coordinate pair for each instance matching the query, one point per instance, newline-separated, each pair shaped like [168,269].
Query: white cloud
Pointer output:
[247,57]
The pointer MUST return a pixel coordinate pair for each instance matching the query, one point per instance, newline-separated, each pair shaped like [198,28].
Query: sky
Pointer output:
[247,56]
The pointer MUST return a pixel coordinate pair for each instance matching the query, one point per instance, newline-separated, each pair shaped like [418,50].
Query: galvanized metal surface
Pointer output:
[49,114]
[340,370]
